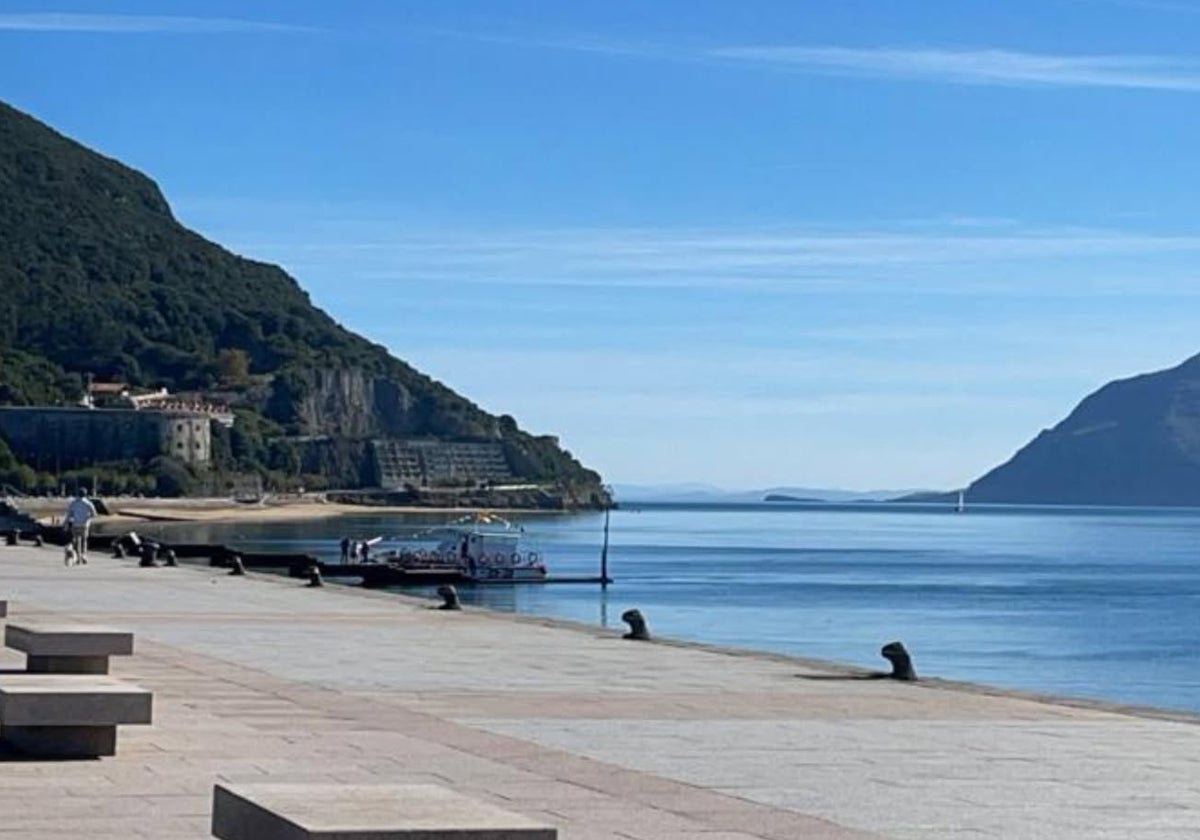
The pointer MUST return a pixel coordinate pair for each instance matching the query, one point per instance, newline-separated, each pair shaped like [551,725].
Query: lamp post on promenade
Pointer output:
[604,579]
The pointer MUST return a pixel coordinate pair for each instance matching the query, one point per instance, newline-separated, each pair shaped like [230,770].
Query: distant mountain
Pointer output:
[708,494]
[1133,442]
[674,492]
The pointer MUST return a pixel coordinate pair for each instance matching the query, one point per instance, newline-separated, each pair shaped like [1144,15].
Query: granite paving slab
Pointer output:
[262,680]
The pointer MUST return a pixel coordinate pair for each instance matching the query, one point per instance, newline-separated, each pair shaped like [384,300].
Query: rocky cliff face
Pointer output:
[350,403]
[1134,442]
[359,403]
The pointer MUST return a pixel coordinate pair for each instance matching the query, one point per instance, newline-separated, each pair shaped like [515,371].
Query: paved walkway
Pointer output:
[260,679]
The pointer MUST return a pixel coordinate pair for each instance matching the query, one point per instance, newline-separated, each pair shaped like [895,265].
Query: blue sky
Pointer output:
[856,244]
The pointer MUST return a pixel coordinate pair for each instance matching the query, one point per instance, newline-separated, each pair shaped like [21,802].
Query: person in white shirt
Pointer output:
[80,513]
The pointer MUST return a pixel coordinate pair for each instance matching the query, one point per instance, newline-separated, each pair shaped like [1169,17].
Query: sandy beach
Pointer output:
[283,509]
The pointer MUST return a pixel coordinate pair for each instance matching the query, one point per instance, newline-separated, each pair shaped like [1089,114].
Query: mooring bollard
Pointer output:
[902,667]
[168,556]
[637,625]
[449,596]
[149,553]
[236,567]
[314,575]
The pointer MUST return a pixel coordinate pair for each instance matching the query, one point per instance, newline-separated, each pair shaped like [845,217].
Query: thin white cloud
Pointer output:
[135,24]
[1157,5]
[771,259]
[952,255]
[577,43]
[980,66]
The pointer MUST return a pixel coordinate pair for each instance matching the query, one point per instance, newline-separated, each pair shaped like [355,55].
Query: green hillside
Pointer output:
[96,276]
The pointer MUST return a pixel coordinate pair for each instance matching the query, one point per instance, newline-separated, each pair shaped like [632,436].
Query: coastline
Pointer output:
[801,662]
[128,513]
[132,510]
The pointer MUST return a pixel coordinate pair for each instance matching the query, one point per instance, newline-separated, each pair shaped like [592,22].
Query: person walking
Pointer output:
[80,513]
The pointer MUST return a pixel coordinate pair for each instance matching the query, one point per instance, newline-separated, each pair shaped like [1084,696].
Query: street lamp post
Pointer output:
[604,579]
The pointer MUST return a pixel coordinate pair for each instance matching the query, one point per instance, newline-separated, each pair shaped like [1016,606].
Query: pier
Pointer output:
[259,679]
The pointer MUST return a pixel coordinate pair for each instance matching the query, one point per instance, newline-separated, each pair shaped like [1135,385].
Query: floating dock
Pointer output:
[376,575]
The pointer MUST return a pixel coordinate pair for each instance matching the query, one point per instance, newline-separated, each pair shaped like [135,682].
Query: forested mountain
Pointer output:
[1133,442]
[97,276]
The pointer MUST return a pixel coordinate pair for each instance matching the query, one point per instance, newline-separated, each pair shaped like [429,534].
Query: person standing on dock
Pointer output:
[345,550]
[80,513]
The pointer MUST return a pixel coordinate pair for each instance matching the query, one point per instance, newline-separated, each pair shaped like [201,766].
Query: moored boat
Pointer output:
[482,547]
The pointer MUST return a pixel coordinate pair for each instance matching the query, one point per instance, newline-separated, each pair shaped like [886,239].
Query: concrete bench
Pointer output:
[67,648]
[370,812]
[66,715]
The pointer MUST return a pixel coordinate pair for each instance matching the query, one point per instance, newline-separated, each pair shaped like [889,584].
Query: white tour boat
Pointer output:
[482,547]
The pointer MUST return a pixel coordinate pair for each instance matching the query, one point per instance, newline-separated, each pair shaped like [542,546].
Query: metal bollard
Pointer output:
[637,625]
[902,667]
[449,597]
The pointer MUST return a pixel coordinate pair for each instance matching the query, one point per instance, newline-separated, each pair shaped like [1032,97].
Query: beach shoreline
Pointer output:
[136,513]
[129,511]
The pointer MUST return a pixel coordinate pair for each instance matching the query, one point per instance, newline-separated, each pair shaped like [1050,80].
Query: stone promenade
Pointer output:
[260,679]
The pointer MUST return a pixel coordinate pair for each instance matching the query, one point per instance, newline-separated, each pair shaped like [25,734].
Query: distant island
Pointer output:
[711,494]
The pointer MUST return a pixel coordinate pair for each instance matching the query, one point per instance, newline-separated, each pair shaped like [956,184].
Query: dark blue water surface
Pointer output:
[1089,602]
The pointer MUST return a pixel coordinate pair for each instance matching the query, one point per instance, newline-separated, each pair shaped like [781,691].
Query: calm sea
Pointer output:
[1090,602]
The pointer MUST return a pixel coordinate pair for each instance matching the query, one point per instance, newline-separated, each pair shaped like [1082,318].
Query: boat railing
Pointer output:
[498,560]
[514,560]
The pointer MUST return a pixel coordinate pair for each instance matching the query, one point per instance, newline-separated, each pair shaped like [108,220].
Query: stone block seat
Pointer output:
[68,715]
[67,648]
[370,812]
